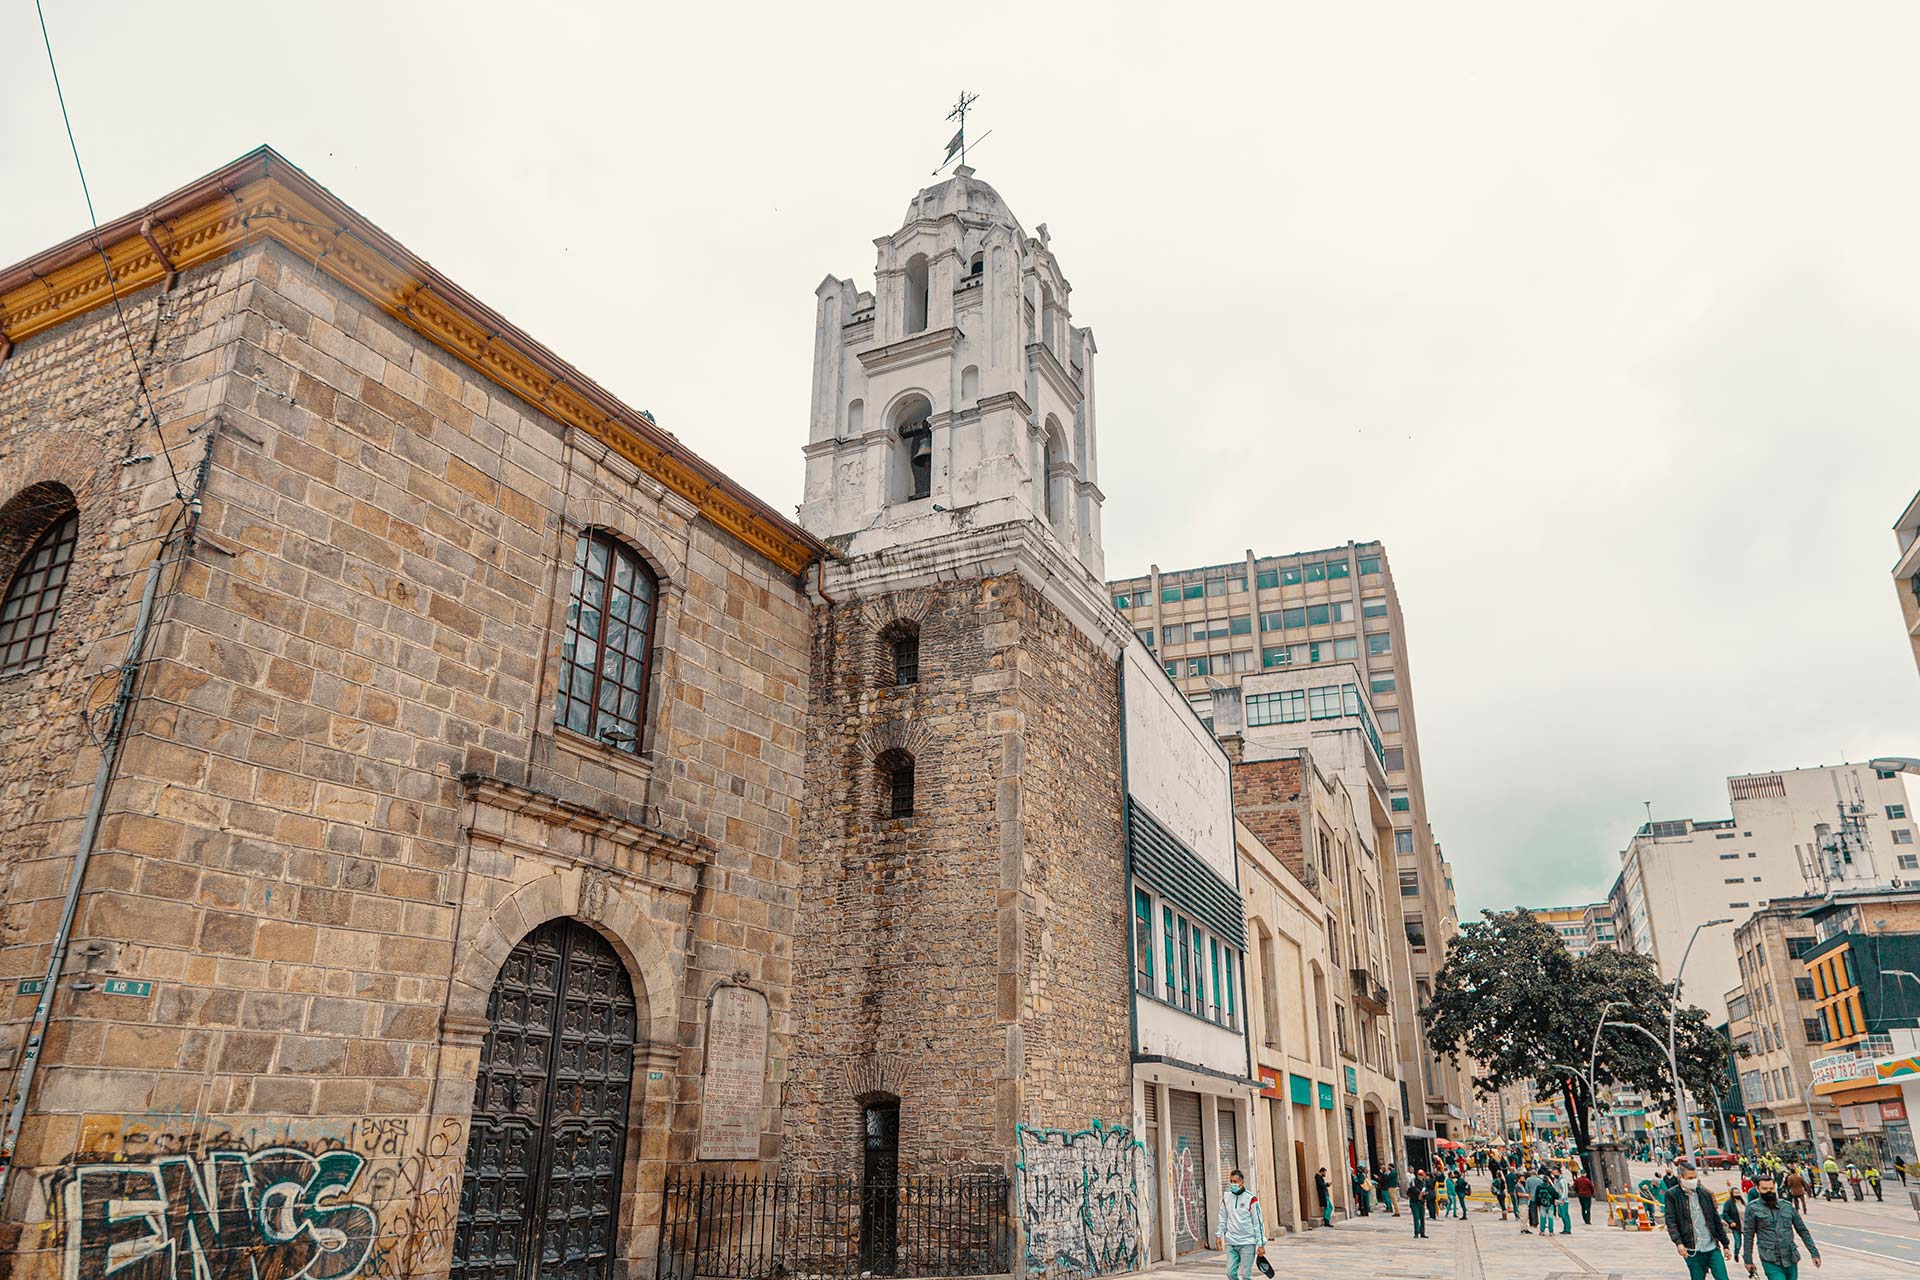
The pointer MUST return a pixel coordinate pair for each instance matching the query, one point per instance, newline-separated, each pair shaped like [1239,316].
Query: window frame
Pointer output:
[60,540]
[616,550]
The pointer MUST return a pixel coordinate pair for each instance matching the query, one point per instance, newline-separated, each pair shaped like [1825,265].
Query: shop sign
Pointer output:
[1837,1068]
[1326,1096]
[1893,1112]
[1270,1084]
[1299,1089]
[1353,1081]
[1895,1068]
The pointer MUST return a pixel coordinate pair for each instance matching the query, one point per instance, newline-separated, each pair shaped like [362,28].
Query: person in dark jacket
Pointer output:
[1324,1189]
[1417,1199]
[1731,1215]
[1772,1224]
[1694,1226]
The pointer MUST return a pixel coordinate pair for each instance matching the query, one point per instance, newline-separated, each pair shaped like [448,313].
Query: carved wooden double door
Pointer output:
[541,1195]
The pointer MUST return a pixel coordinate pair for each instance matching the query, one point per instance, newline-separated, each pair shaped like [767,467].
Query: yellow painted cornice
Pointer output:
[262,196]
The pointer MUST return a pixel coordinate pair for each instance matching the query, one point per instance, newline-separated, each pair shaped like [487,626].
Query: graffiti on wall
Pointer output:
[172,1198]
[224,1215]
[1189,1203]
[1080,1199]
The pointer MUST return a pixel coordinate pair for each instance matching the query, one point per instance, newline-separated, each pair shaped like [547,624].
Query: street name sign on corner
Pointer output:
[138,988]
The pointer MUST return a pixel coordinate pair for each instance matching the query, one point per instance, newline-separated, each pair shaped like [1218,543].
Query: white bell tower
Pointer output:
[958,395]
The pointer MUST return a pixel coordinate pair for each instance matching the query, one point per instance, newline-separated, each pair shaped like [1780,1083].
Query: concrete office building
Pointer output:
[1782,1030]
[1217,624]
[1309,782]
[1793,832]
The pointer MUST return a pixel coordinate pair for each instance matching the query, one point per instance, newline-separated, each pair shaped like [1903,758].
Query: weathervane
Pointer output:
[957,145]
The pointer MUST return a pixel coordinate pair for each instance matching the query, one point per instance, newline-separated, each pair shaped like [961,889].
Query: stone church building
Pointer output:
[442,818]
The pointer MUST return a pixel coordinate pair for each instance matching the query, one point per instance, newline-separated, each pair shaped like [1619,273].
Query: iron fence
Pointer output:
[795,1227]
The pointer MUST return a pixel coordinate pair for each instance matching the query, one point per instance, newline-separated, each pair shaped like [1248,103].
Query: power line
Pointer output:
[93,220]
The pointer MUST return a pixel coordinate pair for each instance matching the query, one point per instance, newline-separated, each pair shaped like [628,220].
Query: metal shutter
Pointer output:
[1188,1172]
[1229,1142]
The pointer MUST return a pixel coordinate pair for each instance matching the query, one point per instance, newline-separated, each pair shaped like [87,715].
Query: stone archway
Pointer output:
[540,1192]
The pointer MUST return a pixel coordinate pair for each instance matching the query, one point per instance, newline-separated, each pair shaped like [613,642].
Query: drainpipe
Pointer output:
[90,831]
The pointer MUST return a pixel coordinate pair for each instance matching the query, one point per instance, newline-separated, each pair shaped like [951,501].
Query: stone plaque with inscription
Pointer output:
[734,1085]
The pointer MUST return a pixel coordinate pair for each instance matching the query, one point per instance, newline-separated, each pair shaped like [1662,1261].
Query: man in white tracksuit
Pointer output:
[1240,1230]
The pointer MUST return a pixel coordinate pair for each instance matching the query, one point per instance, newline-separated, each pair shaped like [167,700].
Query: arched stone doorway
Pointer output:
[540,1197]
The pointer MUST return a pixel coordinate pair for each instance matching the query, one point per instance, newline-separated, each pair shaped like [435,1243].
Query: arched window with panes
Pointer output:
[606,653]
[47,526]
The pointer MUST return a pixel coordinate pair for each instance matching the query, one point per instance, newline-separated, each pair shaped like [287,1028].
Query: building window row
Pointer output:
[1198,971]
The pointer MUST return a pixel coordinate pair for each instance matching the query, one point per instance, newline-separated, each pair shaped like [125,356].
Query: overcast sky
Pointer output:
[1603,317]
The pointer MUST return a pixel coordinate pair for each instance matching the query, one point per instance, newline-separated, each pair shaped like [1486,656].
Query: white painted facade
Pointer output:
[1845,823]
[959,394]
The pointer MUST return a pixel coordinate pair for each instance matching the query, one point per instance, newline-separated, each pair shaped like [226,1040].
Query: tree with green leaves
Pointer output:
[1515,1001]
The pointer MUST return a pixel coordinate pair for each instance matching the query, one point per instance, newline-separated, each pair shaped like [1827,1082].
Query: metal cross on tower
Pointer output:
[957,145]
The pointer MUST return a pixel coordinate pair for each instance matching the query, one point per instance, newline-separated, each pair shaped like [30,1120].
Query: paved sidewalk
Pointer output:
[1484,1248]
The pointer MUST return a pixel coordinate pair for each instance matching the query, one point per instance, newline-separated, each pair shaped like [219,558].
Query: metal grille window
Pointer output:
[33,597]
[606,654]
[906,658]
[896,768]
[1287,706]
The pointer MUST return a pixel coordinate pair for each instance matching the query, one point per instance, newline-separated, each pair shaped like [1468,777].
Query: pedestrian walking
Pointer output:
[1500,1193]
[1418,1203]
[1732,1214]
[1694,1225]
[1853,1180]
[1796,1188]
[1239,1230]
[1515,1189]
[1771,1227]
[1873,1180]
[1900,1167]
[1583,1188]
[1386,1180]
[1560,1204]
[1324,1189]
[1360,1194]
[1461,1190]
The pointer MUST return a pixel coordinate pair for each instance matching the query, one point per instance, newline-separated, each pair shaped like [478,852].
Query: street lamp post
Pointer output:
[1593,1106]
[1894,764]
[1813,1126]
[1673,1021]
[1673,1067]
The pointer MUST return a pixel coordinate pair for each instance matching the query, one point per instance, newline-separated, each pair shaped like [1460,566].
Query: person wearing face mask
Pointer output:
[1772,1224]
[1240,1230]
[1694,1226]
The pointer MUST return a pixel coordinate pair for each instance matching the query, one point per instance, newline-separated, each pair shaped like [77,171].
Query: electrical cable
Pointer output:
[93,220]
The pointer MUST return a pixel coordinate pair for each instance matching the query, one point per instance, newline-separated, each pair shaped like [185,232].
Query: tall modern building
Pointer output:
[1212,625]
[1906,572]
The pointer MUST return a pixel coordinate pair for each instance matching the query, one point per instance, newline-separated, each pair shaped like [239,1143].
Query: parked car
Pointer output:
[1715,1158]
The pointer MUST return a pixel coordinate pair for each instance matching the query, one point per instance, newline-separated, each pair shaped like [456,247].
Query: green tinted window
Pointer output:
[1369,566]
[1294,617]
[1274,657]
[1316,615]
[1193,591]
[1123,602]
[1267,578]
[1338,568]
[1290,576]
[1317,571]
[1169,595]
[1240,626]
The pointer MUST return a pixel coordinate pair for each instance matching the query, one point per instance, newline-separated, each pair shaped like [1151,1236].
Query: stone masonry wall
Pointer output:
[969,961]
[342,800]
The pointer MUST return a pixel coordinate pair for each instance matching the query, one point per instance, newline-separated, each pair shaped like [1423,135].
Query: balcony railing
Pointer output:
[1368,991]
